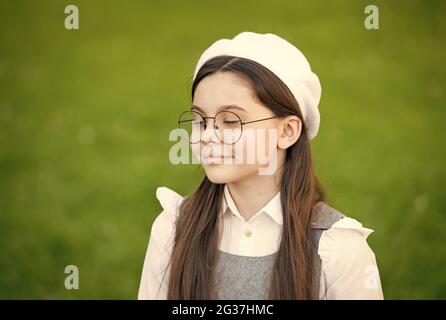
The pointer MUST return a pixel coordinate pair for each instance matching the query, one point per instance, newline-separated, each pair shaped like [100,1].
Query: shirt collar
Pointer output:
[273,208]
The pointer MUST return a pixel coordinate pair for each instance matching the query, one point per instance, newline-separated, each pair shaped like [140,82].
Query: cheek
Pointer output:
[256,146]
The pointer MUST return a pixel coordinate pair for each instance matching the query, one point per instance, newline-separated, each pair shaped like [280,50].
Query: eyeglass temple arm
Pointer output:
[246,122]
[260,120]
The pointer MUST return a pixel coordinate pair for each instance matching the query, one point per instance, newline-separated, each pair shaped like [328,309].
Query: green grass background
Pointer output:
[85,116]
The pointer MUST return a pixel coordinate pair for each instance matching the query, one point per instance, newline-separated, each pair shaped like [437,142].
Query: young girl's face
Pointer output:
[257,147]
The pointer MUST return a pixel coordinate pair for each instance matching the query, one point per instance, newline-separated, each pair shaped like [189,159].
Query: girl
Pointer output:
[244,234]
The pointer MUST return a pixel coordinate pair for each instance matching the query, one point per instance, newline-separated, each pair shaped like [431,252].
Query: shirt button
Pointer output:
[248,233]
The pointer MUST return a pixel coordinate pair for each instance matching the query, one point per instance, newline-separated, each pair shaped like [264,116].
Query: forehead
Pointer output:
[222,89]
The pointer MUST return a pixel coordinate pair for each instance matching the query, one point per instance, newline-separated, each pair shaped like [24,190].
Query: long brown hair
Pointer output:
[194,253]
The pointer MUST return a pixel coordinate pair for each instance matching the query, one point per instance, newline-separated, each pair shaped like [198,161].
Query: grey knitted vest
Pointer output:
[244,277]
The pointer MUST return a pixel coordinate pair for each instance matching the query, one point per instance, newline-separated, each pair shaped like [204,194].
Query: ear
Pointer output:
[289,131]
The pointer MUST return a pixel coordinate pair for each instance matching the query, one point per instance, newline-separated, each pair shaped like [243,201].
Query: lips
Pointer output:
[210,154]
[214,158]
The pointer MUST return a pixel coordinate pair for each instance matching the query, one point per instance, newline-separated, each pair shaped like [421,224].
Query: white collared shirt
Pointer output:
[348,271]
[259,236]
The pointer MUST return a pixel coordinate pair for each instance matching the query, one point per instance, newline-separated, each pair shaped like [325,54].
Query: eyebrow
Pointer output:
[221,108]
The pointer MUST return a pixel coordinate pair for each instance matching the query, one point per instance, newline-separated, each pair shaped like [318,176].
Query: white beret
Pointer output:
[284,60]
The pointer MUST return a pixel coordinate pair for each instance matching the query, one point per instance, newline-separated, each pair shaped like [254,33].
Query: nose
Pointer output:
[209,133]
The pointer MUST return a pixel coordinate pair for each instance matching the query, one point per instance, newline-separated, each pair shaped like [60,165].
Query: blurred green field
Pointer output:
[85,116]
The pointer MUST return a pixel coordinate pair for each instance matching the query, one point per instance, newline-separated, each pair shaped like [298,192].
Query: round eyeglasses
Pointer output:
[227,125]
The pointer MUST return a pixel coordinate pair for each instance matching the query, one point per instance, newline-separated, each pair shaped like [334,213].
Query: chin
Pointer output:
[219,173]
[225,173]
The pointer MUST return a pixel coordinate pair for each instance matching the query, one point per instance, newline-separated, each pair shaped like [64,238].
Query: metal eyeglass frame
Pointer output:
[215,128]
